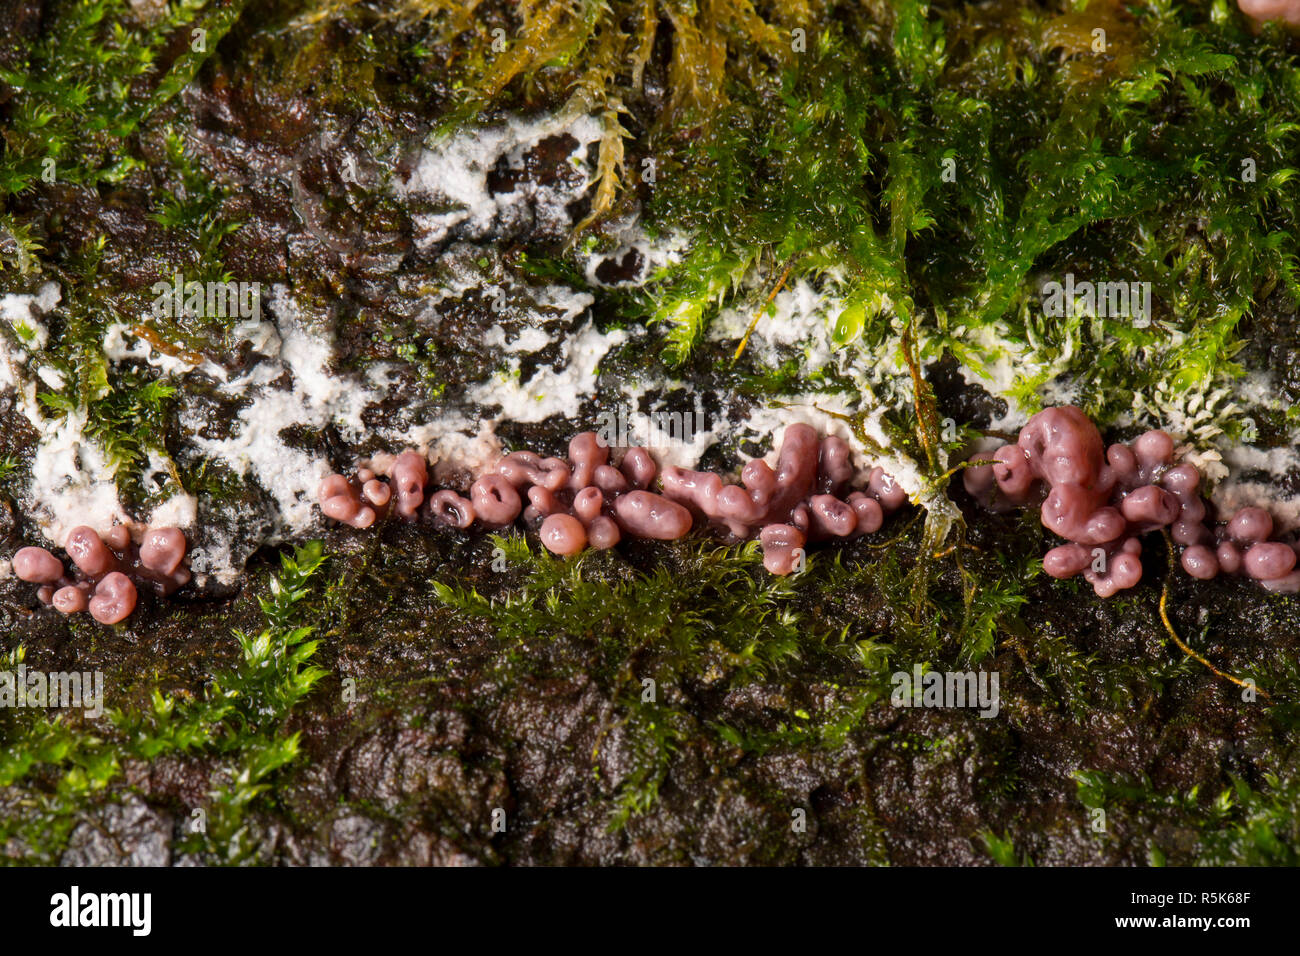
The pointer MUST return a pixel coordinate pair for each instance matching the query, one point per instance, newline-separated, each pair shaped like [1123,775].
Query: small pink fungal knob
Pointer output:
[886,490]
[1269,560]
[1288,11]
[88,552]
[451,509]
[648,515]
[870,516]
[162,550]
[1200,562]
[603,533]
[1067,560]
[563,534]
[376,492]
[37,566]
[638,468]
[339,500]
[495,500]
[782,548]
[588,503]
[1123,569]
[830,517]
[410,475]
[70,599]
[114,598]
[523,468]
[586,454]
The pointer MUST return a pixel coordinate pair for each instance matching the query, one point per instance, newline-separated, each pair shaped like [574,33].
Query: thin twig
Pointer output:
[927,415]
[785,274]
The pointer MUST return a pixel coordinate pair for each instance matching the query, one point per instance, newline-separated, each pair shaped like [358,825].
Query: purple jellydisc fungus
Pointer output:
[603,533]
[450,509]
[591,500]
[523,468]
[1099,499]
[1102,502]
[638,468]
[162,550]
[563,534]
[107,570]
[1288,11]
[648,515]
[37,565]
[70,600]
[342,502]
[869,513]
[782,547]
[495,500]
[88,551]
[114,598]
[410,475]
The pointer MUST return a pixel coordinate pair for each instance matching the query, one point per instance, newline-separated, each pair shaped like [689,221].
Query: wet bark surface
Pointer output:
[439,737]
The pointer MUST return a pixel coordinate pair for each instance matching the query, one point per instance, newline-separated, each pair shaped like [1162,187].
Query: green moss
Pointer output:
[1003,850]
[1129,169]
[194,210]
[1236,826]
[78,95]
[240,718]
[709,618]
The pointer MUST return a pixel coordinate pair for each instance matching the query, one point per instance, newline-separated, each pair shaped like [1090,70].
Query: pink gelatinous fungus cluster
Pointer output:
[1099,499]
[587,500]
[1287,11]
[107,570]
[1102,499]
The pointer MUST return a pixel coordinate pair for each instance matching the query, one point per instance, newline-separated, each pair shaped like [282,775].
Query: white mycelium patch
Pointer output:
[800,322]
[315,398]
[796,322]
[551,390]
[23,311]
[627,235]
[72,481]
[453,173]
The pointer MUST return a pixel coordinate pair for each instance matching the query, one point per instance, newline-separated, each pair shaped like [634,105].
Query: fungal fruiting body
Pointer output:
[1099,499]
[1102,499]
[1287,11]
[108,570]
[586,501]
